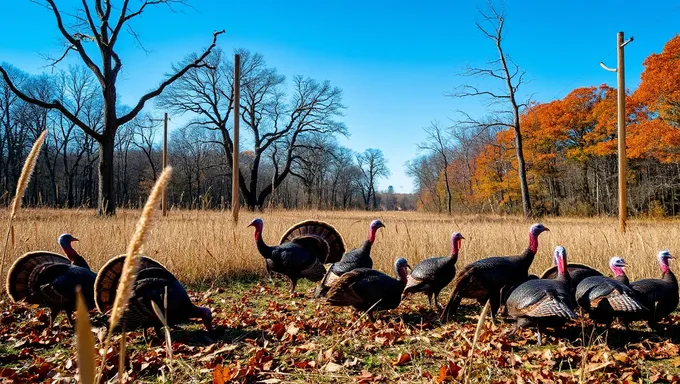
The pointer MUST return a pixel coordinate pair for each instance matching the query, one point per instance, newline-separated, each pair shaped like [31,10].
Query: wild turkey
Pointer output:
[605,298]
[659,296]
[354,259]
[50,280]
[544,302]
[304,249]
[153,282]
[577,272]
[433,274]
[364,287]
[488,278]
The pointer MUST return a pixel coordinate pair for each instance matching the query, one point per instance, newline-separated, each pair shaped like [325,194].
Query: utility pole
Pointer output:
[165,161]
[237,119]
[621,112]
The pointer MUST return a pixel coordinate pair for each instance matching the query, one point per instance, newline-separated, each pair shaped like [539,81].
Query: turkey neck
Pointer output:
[366,247]
[563,271]
[264,249]
[453,258]
[620,275]
[669,276]
[527,257]
[75,258]
[402,276]
[79,261]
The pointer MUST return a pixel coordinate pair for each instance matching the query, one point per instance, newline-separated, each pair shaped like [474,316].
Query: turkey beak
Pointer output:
[546,229]
[74,239]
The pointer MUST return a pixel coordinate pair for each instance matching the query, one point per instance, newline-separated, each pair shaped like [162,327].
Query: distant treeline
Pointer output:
[296,163]
[570,148]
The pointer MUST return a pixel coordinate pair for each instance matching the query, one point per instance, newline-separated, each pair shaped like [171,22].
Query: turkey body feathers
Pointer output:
[295,261]
[363,287]
[486,278]
[153,283]
[431,275]
[19,283]
[354,259]
[605,298]
[659,296]
[541,299]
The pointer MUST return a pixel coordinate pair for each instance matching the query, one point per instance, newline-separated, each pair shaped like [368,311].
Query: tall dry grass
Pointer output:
[202,247]
[22,183]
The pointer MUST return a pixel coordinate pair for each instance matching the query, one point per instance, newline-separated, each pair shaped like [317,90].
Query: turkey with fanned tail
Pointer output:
[50,280]
[153,283]
[304,249]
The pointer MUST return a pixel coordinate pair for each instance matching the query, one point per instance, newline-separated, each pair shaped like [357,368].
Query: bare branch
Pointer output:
[53,105]
[195,64]
[76,43]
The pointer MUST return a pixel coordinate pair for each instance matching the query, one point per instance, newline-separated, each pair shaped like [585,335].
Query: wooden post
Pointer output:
[237,118]
[623,163]
[165,161]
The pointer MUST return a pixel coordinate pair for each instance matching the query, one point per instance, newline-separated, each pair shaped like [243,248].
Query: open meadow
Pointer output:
[263,334]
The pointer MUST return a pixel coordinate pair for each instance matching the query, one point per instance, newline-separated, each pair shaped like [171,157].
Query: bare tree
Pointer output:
[438,143]
[373,167]
[506,71]
[100,28]
[276,122]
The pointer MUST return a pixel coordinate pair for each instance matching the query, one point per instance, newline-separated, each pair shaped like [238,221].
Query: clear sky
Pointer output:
[393,59]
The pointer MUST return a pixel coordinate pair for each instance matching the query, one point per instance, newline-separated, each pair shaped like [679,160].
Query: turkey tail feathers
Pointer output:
[327,240]
[19,275]
[106,284]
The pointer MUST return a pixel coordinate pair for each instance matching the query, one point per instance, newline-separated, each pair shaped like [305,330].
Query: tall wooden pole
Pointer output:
[623,161]
[237,118]
[164,204]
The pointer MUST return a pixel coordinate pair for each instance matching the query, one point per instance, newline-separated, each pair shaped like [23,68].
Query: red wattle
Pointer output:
[371,234]
[533,243]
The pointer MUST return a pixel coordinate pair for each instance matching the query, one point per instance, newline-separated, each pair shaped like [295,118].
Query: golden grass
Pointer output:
[129,273]
[202,247]
[131,264]
[85,342]
[24,178]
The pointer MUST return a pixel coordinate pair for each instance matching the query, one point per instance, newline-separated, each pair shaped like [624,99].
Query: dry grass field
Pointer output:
[265,335]
[203,247]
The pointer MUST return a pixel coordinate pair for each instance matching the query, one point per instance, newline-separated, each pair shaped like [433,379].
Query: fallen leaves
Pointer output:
[265,336]
[403,359]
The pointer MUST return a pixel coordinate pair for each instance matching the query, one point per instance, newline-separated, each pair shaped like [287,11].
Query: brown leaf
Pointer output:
[622,357]
[221,375]
[403,359]
[443,370]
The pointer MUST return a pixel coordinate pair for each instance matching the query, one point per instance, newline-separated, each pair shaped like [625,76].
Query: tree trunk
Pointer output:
[521,168]
[106,204]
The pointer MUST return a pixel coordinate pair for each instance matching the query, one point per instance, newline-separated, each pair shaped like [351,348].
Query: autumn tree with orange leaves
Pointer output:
[570,150]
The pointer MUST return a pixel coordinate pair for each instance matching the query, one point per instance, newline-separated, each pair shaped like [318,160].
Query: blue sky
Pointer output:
[393,59]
